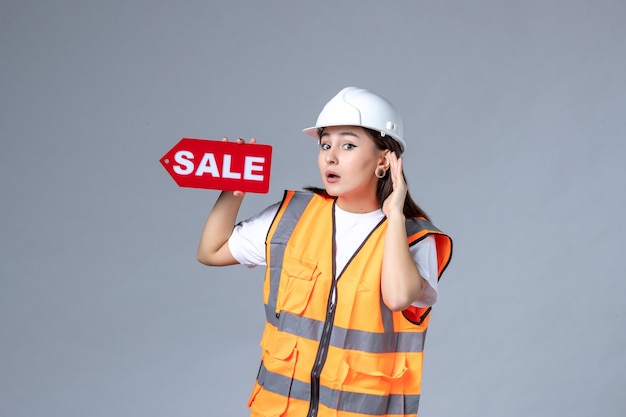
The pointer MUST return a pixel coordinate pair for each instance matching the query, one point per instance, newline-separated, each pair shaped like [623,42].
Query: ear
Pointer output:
[384,160]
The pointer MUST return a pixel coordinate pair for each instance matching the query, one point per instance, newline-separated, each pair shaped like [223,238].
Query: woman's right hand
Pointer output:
[213,248]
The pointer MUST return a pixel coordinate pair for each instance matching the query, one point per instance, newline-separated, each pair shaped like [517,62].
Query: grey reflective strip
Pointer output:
[414,226]
[387,317]
[377,342]
[283,231]
[353,402]
[348,338]
[296,325]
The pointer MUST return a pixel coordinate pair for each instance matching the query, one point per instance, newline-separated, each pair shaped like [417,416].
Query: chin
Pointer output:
[330,190]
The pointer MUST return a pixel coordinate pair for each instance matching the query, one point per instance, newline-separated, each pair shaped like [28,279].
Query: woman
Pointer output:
[352,271]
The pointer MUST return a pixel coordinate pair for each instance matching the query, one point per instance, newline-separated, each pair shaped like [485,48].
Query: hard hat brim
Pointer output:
[312,131]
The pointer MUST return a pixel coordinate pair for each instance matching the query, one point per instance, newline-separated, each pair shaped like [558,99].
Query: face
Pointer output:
[347,161]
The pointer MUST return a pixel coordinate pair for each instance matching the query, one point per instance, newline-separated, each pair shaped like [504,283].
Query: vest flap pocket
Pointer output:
[272,391]
[371,373]
[300,268]
[387,365]
[282,346]
[297,283]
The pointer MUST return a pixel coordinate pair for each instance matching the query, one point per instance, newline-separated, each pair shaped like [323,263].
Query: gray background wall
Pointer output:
[515,113]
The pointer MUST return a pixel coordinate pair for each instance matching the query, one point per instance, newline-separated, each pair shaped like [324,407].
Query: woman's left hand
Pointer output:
[394,204]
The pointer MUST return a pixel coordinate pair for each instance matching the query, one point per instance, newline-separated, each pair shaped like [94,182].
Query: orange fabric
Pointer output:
[289,354]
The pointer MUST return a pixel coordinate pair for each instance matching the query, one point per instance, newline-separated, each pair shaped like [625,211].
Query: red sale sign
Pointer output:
[220,165]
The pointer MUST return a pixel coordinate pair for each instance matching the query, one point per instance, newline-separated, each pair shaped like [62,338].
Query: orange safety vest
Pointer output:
[345,355]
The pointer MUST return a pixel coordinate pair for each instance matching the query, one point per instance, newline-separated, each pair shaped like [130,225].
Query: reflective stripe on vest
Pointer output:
[353,402]
[296,204]
[365,358]
[349,338]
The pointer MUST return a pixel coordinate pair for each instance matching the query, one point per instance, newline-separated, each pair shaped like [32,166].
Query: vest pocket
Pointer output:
[271,392]
[297,283]
[371,373]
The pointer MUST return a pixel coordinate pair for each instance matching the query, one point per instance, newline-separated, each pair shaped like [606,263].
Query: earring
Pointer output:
[380,172]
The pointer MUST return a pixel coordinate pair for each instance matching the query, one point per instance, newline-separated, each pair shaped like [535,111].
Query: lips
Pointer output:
[332,176]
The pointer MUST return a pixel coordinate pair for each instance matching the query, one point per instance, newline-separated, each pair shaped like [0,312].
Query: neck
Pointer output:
[357,206]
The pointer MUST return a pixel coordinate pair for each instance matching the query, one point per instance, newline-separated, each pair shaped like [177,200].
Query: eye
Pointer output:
[325,146]
[348,146]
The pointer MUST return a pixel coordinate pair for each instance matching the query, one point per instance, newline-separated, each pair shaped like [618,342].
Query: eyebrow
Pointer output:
[341,134]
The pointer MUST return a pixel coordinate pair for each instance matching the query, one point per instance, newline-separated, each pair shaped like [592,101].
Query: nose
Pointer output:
[330,157]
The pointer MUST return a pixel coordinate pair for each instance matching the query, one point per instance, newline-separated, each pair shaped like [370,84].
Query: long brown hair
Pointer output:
[385,184]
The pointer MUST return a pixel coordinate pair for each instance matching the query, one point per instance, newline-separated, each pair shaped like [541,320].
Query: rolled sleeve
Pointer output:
[247,241]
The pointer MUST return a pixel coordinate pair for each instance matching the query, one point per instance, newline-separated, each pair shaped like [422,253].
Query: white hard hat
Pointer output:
[354,106]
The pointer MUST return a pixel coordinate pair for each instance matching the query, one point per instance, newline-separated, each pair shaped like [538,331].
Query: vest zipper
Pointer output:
[322,351]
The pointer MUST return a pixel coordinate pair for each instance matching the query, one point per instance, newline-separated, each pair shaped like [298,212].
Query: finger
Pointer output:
[398,178]
[396,161]
[252,140]
[393,164]
[224,139]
